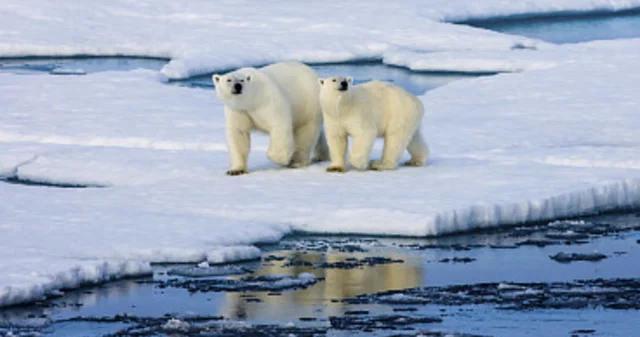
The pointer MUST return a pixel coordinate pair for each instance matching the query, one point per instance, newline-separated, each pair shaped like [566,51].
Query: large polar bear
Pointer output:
[281,100]
[366,112]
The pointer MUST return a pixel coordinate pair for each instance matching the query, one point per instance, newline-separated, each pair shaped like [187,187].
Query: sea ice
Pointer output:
[556,140]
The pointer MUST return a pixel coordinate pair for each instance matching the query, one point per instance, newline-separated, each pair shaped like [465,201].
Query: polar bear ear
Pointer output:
[321,81]
[216,78]
[248,78]
[350,79]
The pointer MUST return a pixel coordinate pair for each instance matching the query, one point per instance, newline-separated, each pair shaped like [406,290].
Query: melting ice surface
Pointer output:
[557,140]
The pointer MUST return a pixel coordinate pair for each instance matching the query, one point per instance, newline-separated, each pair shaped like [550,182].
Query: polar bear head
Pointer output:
[236,89]
[336,85]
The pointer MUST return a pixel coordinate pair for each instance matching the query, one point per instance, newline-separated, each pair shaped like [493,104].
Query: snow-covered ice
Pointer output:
[557,140]
[200,37]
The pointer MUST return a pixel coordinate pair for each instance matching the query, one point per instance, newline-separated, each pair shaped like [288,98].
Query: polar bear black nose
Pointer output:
[344,85]
[237,88]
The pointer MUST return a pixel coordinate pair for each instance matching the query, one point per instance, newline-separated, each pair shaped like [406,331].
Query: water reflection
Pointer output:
[339,284]
[93,297]
[72,303]
[144,299]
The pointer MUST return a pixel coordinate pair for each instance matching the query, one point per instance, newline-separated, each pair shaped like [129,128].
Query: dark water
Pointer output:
[415,82]
[568,29]
[352,266]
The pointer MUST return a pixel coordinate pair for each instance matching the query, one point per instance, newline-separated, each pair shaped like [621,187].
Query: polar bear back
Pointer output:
[298,83]
[389,105]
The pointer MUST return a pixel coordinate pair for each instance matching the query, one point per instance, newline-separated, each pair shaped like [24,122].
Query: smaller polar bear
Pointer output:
[281,100]
[366,112]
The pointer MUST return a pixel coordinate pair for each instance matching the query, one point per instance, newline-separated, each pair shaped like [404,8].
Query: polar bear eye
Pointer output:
[334,80]
[229,80]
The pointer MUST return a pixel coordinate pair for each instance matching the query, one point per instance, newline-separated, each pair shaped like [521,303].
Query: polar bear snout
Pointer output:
[237,89]
[343,85]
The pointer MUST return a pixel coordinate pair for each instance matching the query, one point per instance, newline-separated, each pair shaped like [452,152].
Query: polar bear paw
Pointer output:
[379,165]
[237,172]
[281,158]
[298,164]
[358,162]
[414,163]
[336,169]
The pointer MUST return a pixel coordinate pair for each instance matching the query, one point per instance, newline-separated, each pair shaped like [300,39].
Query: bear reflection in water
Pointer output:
[338,284]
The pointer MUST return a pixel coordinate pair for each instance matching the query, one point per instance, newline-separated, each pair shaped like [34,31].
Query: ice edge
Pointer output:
[74,278]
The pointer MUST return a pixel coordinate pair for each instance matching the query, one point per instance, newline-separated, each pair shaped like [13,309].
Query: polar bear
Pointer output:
[366,112]
[281,100]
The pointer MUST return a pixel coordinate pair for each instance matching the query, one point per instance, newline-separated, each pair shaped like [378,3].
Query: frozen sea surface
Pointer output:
[557,140]
[505,149]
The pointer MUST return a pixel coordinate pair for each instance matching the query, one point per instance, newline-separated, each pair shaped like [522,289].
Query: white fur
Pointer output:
[366,112]
[281,100]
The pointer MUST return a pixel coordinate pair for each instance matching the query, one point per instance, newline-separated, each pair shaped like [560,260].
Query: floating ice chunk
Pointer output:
[562,223]
[303,280]
[567,235]
[175,324]
[402,299]
[570,257]
[508,287]
[207,271]
[306,277]
[68,71]
[527,292]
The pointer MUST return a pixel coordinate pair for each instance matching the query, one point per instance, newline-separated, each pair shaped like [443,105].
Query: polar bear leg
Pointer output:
[321,151]
[239,143]
[305,137]
[394,146]
[418,149]
[361,149]
[337,143]
[281,146]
